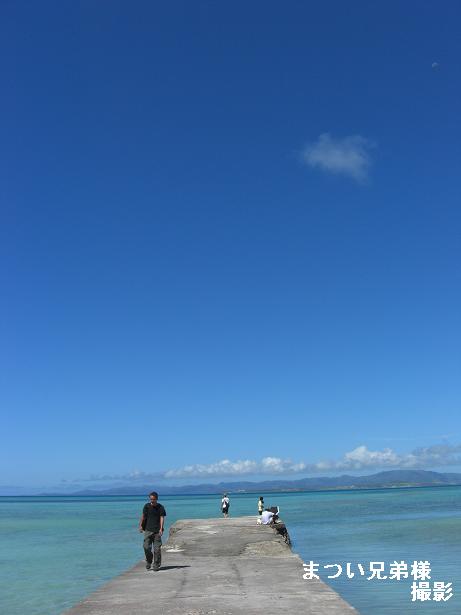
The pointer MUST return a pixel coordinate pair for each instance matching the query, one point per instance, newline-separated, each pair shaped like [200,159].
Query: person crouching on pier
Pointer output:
[152,523]
[267,517]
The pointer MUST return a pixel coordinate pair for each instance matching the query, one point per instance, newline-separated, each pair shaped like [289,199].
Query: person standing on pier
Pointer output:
[225,503]
[260,505]
[151,523]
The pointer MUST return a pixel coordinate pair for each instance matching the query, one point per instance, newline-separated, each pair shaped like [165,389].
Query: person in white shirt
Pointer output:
[267,517]
[225,503]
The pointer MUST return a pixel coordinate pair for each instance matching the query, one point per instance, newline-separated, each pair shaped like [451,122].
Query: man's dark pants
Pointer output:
[153,539]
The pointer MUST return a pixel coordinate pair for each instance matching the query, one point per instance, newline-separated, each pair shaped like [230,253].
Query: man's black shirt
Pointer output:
[152,516]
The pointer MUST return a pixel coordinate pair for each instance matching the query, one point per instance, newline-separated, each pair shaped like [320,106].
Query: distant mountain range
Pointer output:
[381,480]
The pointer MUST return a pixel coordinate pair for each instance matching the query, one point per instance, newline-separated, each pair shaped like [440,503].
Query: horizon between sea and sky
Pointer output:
[229,241]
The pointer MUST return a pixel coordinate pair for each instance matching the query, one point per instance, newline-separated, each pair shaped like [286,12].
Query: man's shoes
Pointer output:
[148,565]
[155,568]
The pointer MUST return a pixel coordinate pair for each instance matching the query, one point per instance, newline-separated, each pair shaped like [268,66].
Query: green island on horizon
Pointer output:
[391,479]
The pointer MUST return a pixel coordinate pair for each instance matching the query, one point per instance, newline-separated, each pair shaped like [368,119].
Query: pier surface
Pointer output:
[217,567]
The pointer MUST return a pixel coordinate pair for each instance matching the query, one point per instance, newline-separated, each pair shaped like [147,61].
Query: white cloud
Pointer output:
[267,465]
[348,156]
[360,458]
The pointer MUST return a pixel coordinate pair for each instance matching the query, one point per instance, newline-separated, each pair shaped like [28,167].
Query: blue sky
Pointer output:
[228,232]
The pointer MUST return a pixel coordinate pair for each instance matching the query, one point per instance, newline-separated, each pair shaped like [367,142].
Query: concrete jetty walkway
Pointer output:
[217,567]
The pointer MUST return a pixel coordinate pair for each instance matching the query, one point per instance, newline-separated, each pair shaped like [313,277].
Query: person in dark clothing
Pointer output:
[151,523]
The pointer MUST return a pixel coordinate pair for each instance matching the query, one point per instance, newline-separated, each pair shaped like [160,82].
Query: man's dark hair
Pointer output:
[154,493]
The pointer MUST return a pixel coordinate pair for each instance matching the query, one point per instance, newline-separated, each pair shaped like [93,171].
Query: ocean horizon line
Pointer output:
[234,493]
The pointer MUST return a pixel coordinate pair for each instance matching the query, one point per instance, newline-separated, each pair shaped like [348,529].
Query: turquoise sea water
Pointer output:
[55,550]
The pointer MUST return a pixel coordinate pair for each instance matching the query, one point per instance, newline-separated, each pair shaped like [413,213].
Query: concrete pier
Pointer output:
[217,567]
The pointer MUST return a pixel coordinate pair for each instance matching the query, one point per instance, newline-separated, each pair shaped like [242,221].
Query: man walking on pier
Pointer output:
[151,523]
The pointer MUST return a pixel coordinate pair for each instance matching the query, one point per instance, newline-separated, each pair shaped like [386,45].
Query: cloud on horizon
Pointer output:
[267,465]
[349,156]
[360,458]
